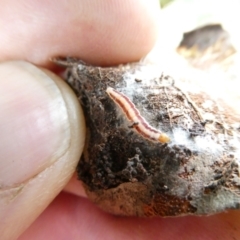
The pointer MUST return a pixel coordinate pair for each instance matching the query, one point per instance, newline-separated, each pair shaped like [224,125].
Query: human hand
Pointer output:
[42,126]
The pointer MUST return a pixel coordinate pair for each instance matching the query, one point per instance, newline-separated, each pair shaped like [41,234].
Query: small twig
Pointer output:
[168,100]
[195,107]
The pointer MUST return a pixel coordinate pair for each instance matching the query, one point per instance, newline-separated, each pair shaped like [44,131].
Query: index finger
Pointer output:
[101,32]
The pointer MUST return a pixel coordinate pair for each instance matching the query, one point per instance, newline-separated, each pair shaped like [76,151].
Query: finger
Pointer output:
[42,136]
[100,32]
[79,217]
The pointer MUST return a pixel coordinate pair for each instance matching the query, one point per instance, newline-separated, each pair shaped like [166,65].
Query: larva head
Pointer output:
[164,138]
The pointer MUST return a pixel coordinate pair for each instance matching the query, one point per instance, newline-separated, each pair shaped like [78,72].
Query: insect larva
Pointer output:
[133,115]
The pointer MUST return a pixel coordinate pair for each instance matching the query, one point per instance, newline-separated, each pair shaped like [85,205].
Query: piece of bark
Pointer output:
[125,173]
[207,47]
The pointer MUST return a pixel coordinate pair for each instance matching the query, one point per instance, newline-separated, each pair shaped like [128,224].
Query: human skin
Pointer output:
[42,126]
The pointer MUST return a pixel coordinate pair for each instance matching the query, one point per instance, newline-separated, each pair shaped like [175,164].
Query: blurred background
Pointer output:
[185,15]
[203,33]
[199,40]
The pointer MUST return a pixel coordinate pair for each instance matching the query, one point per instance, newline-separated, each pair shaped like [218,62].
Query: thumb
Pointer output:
[42,136]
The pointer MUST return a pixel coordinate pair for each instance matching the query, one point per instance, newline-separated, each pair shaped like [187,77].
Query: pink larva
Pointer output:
[133,115]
